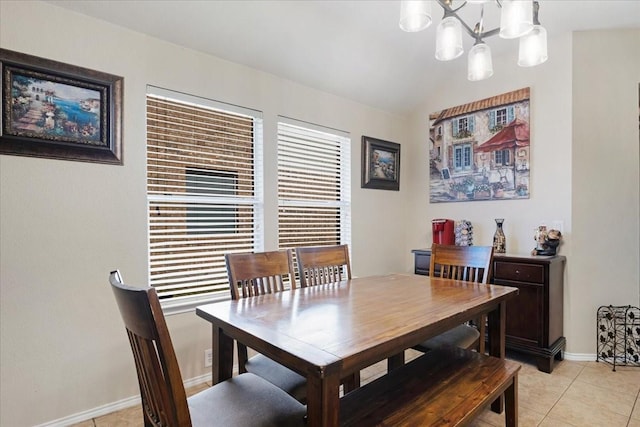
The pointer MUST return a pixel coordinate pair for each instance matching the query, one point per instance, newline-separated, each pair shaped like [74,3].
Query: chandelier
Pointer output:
[518,19]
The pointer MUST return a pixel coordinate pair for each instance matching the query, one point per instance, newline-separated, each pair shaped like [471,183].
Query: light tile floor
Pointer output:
[578,394]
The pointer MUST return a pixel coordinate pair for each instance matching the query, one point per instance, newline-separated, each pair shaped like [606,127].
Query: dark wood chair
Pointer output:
[240,401]
[468,263]
[252,274]
[318,265]
[323,264]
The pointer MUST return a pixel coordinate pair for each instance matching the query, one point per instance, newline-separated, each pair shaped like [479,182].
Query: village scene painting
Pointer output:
[481,150]
[48,109]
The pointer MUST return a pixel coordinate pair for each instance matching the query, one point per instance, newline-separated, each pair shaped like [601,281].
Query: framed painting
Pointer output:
[380,164]
[481,150]
[59,111]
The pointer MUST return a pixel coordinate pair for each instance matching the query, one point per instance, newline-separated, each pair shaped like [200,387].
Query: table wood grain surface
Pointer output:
[326,332]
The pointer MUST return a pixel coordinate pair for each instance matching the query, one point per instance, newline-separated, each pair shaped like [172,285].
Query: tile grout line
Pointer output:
[563,393]
[633,408]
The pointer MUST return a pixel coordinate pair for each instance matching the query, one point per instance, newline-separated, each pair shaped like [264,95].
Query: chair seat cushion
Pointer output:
[463,336]
[245,400]
[281,376]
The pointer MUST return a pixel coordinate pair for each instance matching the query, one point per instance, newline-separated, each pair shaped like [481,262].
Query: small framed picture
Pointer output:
[380,164]
[59,111]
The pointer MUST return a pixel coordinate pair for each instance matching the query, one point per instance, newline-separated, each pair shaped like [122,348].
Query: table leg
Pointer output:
[323,401]
[222,355]
[497,328]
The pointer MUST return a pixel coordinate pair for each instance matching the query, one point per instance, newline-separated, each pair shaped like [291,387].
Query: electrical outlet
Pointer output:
[208,358]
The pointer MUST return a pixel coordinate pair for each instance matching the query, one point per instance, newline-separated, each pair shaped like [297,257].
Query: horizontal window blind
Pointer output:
[314,194]
[203,191]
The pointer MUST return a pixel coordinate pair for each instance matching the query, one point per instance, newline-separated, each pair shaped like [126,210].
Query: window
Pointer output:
[463,127]
[204,194]
[462,157]
[502,157]
[500,117]
[314,193]
[204,219]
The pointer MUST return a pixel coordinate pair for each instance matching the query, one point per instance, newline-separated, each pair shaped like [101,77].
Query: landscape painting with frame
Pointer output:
[59,111]
[481,150]
[380,164]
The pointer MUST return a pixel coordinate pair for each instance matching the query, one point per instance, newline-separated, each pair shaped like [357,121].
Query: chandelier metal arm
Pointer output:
[536,9]
[449,11]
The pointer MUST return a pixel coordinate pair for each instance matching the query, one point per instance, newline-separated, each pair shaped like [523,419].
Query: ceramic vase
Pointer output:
[499,240]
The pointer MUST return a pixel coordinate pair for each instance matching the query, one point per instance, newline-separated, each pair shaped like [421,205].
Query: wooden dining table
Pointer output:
[327,332]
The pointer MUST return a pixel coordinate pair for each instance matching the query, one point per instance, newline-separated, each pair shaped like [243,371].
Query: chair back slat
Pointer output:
[468,263]
[319,265]
[252,274]
[164,401]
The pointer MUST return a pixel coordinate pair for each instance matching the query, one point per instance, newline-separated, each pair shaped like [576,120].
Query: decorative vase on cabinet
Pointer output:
[499,239]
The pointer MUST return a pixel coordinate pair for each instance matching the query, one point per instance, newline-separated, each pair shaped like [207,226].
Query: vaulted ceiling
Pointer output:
[353,49]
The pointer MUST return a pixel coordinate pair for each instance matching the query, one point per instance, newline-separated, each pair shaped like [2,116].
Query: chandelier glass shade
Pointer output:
[518,19]
[449,39]
[533,47]
[479,63]
[415,15]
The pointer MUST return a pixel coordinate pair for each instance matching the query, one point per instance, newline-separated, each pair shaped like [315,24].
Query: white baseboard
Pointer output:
[580,357]
[113,407]
[135,400]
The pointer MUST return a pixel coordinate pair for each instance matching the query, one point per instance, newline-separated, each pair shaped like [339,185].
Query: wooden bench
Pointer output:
[447,387]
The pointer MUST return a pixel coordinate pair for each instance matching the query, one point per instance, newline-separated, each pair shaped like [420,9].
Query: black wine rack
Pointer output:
[619,335]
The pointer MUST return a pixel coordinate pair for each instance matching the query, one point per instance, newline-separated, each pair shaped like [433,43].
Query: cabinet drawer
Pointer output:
[519,272]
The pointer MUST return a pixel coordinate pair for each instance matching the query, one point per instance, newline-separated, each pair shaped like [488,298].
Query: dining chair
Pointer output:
[243,400]
[251,274]
[318,265]
[323,264]
[468,263]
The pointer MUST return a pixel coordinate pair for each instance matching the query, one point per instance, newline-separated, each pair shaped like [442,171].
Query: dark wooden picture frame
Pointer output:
[380,164]
[59,111]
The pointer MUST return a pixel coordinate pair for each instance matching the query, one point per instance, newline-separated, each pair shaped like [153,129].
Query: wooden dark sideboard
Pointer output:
[535,316]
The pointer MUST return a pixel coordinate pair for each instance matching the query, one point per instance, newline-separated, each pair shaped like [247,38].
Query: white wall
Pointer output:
[605,268]
[550,123]
[64,225]
[584,170]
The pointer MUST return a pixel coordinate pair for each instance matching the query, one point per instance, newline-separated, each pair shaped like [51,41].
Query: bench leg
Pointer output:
[511,403]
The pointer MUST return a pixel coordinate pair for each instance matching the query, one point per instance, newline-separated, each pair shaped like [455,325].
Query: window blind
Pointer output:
[203,191]
[314,194]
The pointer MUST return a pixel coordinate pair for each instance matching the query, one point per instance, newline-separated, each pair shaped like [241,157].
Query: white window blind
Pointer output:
[314,192]
[204,193]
